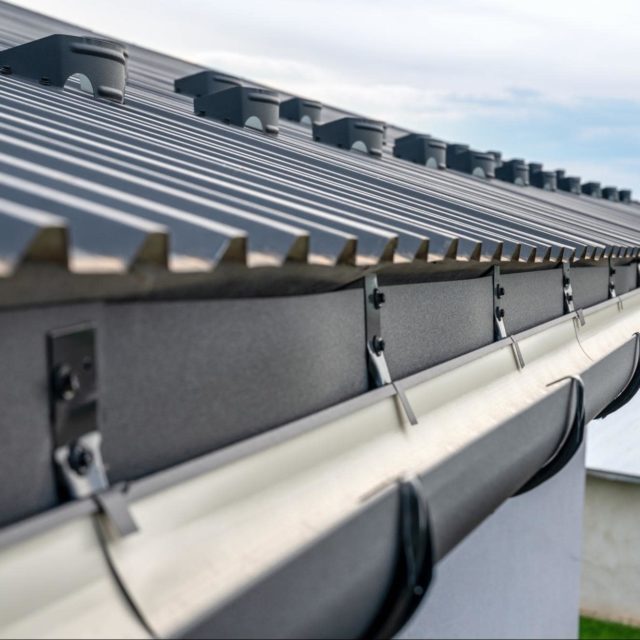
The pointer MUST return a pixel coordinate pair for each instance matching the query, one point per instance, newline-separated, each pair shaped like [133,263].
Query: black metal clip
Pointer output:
[378,369]
[414,565]
[74,419]
[630,389]
[570,441]
[499,327]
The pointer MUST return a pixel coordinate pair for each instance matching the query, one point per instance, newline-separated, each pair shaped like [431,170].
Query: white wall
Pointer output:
[611,571]
[518,574]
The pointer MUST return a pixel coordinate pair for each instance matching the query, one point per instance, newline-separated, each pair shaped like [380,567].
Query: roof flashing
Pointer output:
[301,110]
[421,149]
[624,195]
[352,133]
[243,106]
[204,83]
[592,189]
[51,61]
[476,163]
[514,171]
[570,184]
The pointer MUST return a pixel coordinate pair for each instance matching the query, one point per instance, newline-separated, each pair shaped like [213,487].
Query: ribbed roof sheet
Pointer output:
[108,187]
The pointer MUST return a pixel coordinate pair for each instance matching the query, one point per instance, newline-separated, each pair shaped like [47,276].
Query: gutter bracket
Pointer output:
[567,289]
[414,567]
[379,374]
[499,326]
[569,443]
[73,404]
[612,280]
[631,388]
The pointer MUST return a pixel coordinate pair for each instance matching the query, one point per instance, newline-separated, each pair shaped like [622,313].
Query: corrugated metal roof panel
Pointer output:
[152,173]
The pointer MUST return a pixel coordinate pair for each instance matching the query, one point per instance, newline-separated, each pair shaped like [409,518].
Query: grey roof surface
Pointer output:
[109,187]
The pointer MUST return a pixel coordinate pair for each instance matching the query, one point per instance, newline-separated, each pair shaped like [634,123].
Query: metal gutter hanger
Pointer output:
[378,369]
[73,401]
[567,289]
[499,327]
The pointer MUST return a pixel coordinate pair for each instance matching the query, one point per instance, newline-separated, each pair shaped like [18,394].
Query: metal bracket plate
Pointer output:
[74,405]
[612,280]
[499,328]
[377,363]
[567,289]
[73,399]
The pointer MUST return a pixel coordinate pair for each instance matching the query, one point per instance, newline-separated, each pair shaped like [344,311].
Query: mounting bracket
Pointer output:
[499,327]
[73,403]
[378,369]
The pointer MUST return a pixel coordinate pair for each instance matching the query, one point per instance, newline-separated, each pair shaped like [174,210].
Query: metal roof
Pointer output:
[110,187]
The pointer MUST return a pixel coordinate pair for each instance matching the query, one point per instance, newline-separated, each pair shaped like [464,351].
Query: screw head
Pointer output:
[499,291]
[378,344]
[66,382]
[499,313]
[378,298]
[80,459]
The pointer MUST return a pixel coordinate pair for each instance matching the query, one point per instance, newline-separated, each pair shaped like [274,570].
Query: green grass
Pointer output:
[591,629]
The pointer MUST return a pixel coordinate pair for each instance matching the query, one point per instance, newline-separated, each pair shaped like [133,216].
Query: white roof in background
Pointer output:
[613,444]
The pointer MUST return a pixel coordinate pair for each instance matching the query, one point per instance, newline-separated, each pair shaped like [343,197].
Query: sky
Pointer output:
[552,81]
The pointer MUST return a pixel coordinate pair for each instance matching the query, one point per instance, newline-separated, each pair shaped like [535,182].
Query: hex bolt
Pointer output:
[378,298]
[80,459]
[499,291]
[499,313]
[378,344]
[65,382]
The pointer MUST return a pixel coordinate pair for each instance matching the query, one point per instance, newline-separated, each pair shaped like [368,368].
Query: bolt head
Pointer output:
[80,459]
[378,344]
[66,382]
[379,298]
